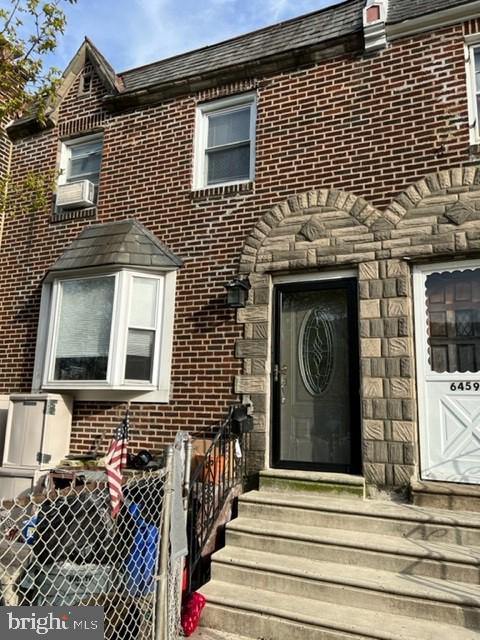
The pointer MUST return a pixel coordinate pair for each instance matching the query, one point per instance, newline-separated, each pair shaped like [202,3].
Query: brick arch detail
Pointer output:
[436,218]
[300,215]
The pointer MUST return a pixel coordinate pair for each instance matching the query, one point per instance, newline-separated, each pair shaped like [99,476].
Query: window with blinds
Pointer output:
[84,329]
[108,330]
[141,329]
[225,141]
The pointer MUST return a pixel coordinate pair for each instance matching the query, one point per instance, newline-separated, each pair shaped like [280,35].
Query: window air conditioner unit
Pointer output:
[76,194]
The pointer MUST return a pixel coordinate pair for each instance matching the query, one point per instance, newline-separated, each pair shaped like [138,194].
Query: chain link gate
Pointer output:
[63,548]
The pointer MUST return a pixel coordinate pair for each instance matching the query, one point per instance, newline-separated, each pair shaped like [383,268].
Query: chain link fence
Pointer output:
[62,548]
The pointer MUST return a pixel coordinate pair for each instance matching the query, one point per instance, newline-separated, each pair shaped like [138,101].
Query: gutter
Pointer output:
[436,20]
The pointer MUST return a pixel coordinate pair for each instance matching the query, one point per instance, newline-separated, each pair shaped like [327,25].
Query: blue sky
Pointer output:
[131,33]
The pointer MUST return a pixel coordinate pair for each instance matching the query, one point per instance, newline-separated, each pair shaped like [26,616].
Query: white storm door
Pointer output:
[447,327]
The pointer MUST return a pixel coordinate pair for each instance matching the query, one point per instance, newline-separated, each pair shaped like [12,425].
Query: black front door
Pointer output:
[315,377]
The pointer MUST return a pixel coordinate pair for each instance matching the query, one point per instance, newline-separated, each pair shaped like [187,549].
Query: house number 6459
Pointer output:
[465,386]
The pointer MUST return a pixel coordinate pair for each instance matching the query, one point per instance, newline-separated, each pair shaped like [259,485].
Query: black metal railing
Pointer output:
[216,475]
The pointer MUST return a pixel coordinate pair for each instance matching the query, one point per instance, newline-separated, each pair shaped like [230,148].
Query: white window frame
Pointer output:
[116,386]
[472,43]
[66,154]
[201,137]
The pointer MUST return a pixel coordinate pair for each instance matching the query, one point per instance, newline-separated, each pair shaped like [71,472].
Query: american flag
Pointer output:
[116,460]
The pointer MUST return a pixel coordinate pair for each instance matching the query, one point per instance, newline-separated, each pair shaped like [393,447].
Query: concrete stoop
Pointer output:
[303,564]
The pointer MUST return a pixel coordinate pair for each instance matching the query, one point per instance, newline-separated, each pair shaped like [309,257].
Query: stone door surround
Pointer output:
[435,218]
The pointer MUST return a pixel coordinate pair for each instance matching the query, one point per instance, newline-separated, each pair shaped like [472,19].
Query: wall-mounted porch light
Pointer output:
[237,293]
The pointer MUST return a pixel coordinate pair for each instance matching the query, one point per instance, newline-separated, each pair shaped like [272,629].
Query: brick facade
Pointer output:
[359,159]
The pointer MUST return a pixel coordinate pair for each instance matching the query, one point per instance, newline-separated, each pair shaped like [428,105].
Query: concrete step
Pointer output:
[368,516]
[446,495]
[203,633]
[413,596]
[389,553]
[272,616]
[312,483]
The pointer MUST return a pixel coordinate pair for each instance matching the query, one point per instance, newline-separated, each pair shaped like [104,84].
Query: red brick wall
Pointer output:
[366,124]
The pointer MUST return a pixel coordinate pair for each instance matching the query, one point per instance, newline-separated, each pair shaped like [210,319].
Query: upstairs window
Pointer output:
[474,93]
[225,142]
[79,172]
[83,160]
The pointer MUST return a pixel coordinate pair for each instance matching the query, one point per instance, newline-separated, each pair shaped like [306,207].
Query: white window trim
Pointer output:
[115,387]
[471,43]
[201,137]
[65,153]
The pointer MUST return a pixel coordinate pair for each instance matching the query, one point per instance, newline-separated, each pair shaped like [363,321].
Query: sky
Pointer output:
[131,33]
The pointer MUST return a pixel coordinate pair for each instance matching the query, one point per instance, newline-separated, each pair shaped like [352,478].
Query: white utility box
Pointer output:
[76,194]
[38,430]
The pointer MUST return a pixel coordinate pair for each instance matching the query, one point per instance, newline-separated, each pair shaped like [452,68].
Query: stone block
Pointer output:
[373,429]
[408,410]
[420,250]
[392,367]
[367,408]
[368,271]
[253,313]
[368,451]
[366,366]
[395,452]
[409,453]
[377,367]
[401,387]
[259,402]
[259,422]
[364,328]
[261,296]
[376,328]
[374,473]
[399,347]
[376,289]
[406,367]
[379,409]
[250,384]
[403,328]
[373,387]
[258,366]
[370,308]
[380,451]
[397,307]
[397,268]
[394,409]
[391,327]
[258,441]
[371,347]
[251,348]
[402,473]
[403,431]
[389,288]
[403,288]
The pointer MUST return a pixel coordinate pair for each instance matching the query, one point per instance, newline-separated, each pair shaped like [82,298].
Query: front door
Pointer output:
[448,364]
[315,377]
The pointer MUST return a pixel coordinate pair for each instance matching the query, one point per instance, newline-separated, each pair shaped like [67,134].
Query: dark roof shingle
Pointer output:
[314,28]
[399,10]
[123,243]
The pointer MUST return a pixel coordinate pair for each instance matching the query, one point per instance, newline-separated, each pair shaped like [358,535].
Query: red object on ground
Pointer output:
[191,612]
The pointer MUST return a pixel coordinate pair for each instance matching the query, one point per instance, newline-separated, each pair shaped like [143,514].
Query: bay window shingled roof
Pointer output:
[123,243]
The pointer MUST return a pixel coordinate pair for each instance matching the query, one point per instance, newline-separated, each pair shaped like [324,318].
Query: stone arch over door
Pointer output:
[437,216]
